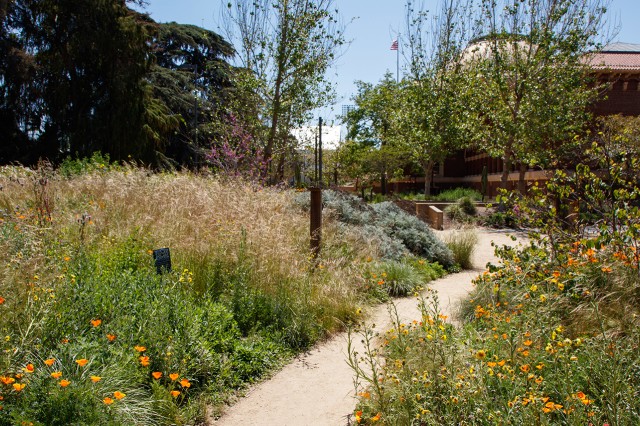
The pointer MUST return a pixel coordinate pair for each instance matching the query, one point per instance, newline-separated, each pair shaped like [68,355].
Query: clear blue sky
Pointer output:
[372,28]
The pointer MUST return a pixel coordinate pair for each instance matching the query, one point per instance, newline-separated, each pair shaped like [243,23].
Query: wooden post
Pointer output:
[316,221]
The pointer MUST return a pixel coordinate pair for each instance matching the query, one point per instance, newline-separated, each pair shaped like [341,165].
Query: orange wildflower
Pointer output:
[49,362]
[527,342]
[144,361]
[1,300]
[359,416]
[606,269]
[18,386]
[29,368]
[111,337]
[119,395]
[82,362]
[108,401]
[96,322]
[376,417]
[174,376]
[140,348]
[64,383]
[7,380]
[96,379]
[56,374]
[185,383]
[156,374]
[525,368]
[175,393]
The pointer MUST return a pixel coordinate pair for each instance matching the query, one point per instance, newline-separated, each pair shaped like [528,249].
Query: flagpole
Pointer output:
[398,60]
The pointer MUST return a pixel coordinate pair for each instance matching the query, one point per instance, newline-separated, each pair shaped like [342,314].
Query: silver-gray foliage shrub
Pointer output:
[396,232]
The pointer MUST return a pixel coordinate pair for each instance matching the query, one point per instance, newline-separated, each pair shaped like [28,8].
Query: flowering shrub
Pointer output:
[552,331]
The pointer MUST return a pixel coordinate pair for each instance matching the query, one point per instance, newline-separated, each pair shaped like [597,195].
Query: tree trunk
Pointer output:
[506,168]
[277,95]
[522,185]
[428,178]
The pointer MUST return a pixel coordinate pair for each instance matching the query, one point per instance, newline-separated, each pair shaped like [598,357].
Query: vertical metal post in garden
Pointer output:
[316,221]
[320,184]
[316,199]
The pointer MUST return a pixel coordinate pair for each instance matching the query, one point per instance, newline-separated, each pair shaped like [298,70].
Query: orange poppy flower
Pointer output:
[96,322]
[140,348]
[18,386]
[29,368]
[156,374]
[82,362]
[525,368]
[49,362]
[119,395]
[144,361]
[7,380]
[185,383]
[108,401]
[174,376]
[376,417]
[56,374]
[175,393]
[1,300]
[64,383]
[111,337]
[96,379]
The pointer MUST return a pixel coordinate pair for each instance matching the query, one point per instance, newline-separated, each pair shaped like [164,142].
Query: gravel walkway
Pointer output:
[317,387]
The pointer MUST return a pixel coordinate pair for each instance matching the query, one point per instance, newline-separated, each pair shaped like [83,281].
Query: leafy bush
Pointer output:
[456,194]
[467,206]
[78,166]
[448,195]
[414,233]
[398,233]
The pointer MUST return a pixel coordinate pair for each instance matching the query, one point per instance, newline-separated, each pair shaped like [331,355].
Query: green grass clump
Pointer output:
[462,244]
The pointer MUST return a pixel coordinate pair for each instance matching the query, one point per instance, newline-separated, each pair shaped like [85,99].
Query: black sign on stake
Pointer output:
[163,260]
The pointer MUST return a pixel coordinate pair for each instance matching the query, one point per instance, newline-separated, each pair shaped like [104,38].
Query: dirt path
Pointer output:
[317,388]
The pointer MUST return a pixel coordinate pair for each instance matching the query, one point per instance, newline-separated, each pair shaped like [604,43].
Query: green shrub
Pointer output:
[414,233]
[456,194]
[78,166]
[467,206]
[397,232]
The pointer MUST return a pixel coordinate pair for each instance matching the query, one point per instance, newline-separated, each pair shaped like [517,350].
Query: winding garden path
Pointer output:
[317,387]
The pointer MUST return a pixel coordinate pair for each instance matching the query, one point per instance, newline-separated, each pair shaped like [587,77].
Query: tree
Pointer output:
[371,123]
[192,79]
[428,121]
[84,89]
[529,77]
[288,45]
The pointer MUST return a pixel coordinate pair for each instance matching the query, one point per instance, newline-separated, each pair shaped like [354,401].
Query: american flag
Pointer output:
[394,45]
